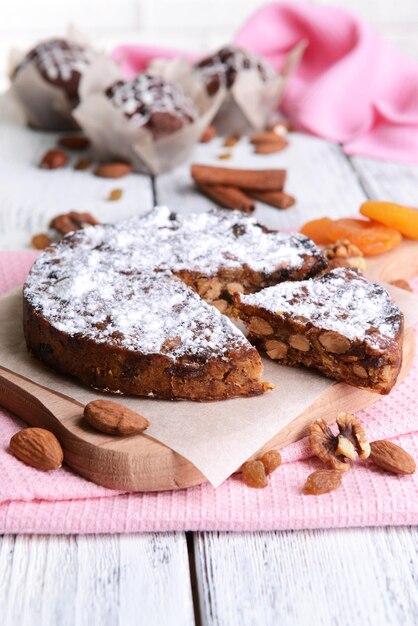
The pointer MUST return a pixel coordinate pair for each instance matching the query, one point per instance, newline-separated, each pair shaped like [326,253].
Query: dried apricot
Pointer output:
[317,230]
[271,460]
[404,219]
[371,237]
[254,474]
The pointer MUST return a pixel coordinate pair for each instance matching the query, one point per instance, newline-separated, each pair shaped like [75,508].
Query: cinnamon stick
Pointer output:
[262,180]
[228,197]
[278,199]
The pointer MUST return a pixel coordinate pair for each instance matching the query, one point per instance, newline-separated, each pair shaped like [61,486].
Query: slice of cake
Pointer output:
[145,334]
[339,323]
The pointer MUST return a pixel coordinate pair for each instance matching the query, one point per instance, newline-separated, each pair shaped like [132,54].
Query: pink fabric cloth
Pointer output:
[351,86]
[62,502]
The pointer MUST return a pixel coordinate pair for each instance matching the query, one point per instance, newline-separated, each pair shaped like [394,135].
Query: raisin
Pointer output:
[322,481]
[254,474]
[271,460]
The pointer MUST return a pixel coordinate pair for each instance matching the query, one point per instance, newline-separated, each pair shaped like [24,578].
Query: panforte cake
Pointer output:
[126,307]
[339,323]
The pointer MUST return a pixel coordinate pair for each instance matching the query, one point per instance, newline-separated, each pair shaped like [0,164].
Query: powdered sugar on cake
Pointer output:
[341,300]
[114,283]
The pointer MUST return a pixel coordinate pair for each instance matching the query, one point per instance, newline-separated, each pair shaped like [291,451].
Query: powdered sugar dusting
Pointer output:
[341,300]
[114,283]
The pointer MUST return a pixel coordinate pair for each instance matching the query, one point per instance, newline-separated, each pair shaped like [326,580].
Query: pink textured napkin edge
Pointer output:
[379,498]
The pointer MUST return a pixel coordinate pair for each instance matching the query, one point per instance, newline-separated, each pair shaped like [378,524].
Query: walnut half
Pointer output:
[349,443]
[343,253]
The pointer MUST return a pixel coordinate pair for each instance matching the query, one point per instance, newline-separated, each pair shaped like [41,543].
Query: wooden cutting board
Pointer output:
[141,463]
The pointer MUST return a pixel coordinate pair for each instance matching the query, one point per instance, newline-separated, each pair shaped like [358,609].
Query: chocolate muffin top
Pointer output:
[223,67]
[60,62]
[154,103]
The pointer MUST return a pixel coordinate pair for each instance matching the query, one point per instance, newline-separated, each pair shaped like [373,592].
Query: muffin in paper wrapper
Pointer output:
[47,106]
[114,135]
[250,104]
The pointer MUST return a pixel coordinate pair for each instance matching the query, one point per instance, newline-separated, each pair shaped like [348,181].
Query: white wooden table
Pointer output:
[341,577]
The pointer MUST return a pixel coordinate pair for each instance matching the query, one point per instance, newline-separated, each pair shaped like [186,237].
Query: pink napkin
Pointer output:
[62,502]
[351,86]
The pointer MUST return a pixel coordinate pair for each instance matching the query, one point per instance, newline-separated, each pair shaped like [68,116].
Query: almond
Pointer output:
[53,160]
[299,342]
[38,448]
[270,147]
[74,142]
[113,418]
[208,134]
[401,283]
[334,342]
[69,222]
[391,457]
[259,326]
[116,169]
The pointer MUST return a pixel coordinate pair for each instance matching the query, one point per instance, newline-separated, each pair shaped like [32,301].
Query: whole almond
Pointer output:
[117,169]
[38,448]
[74,142]
[391,457]
[113,418]
[208,134]
[53,160]
[322,481]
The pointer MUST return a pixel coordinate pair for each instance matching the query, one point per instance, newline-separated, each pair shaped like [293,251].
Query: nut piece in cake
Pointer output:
[338,323]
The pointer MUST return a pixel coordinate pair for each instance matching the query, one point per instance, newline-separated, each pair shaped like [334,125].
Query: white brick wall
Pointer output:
[188,24]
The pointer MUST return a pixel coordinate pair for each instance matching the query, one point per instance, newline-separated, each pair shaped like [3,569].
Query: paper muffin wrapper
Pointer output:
[46,106]
[115,136]
[250,104]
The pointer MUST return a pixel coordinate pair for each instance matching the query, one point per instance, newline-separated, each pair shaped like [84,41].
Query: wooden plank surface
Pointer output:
[86,580]
[388,181]
[342,577]
[30,197]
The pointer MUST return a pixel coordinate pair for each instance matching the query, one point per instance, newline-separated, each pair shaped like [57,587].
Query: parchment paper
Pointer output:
[114,135]
[217,437]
